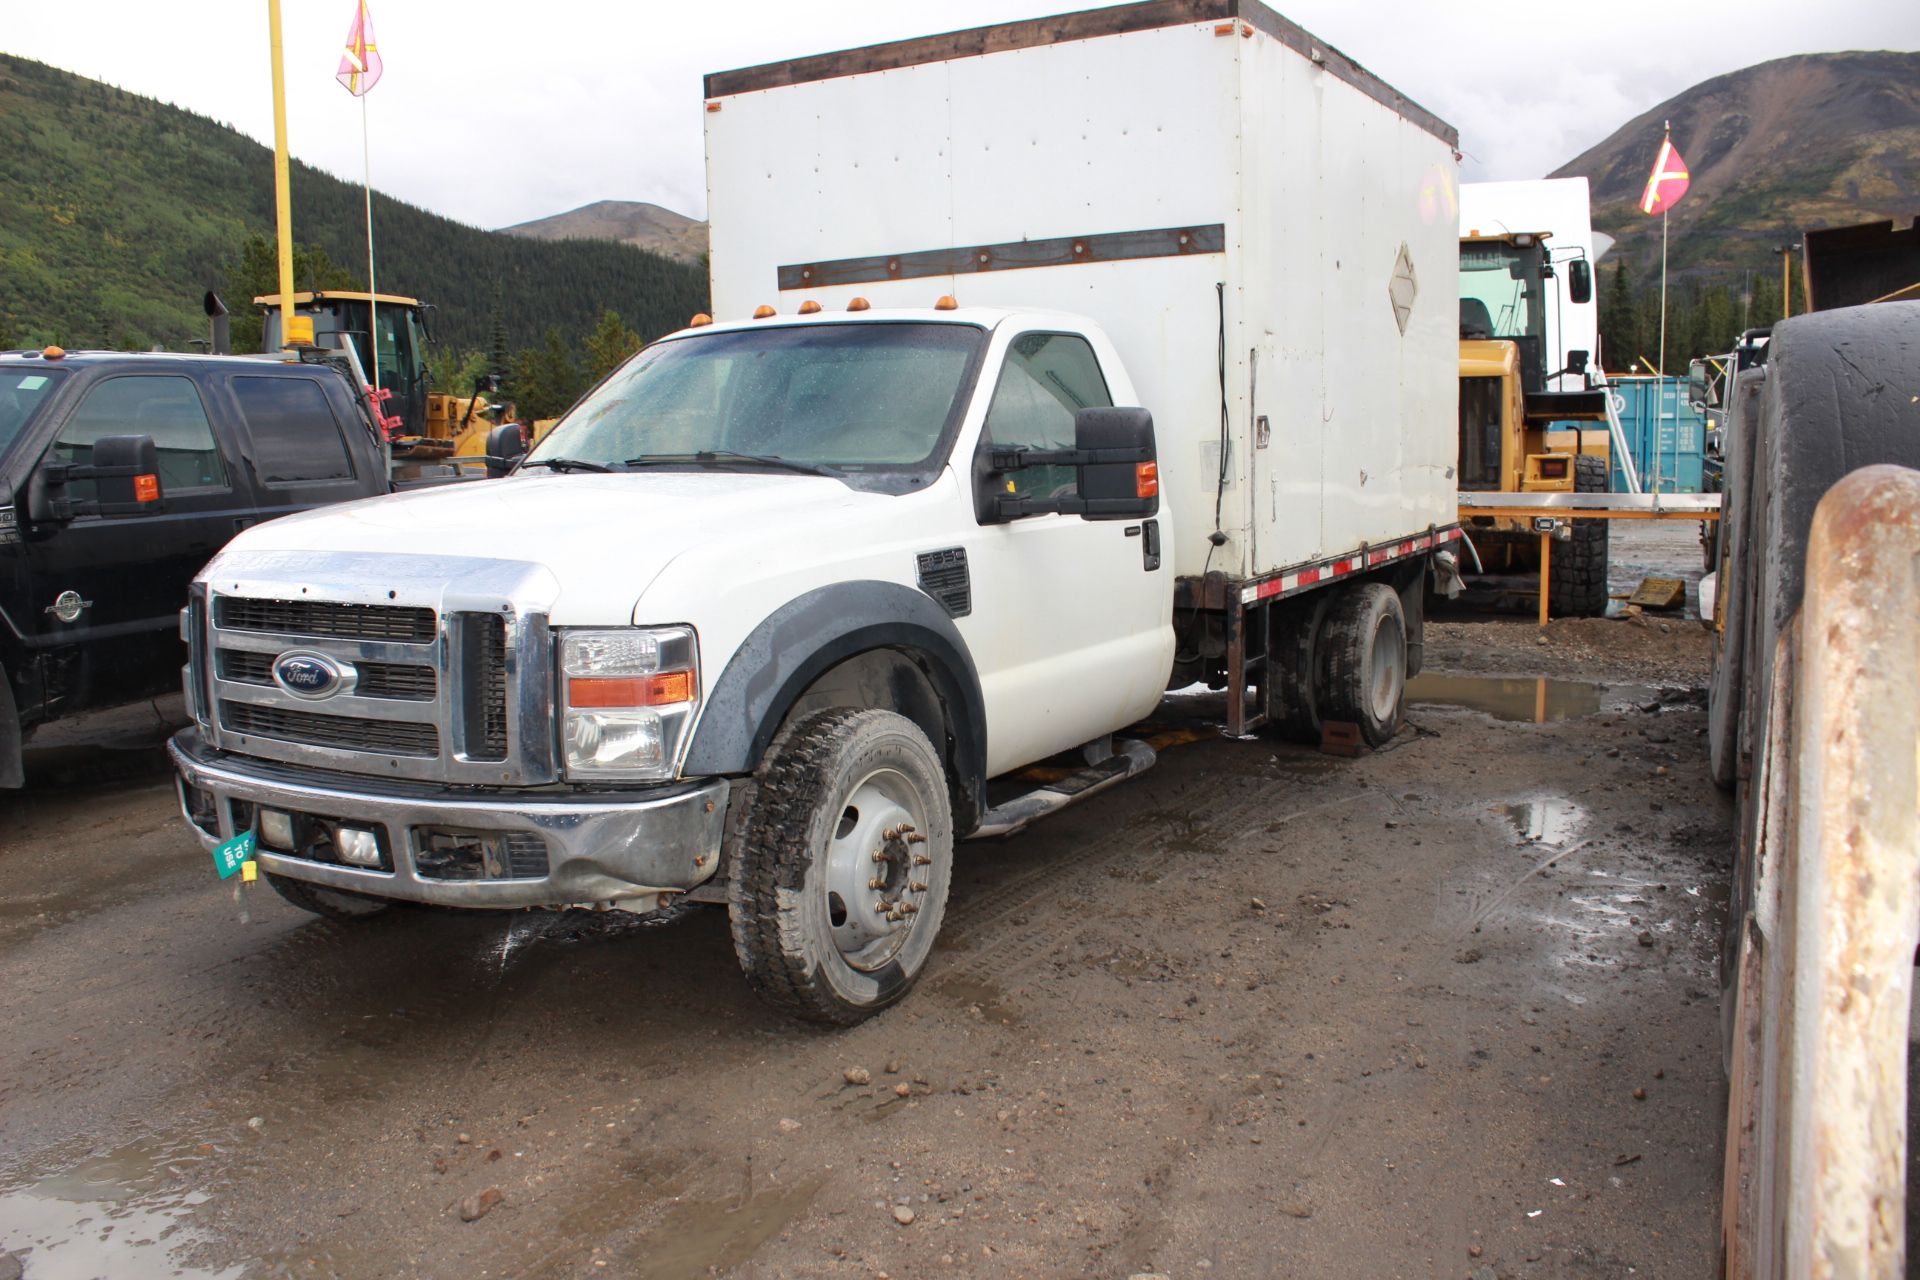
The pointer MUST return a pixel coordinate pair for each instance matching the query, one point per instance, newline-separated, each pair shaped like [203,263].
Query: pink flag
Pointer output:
[360,65]
[1668,181]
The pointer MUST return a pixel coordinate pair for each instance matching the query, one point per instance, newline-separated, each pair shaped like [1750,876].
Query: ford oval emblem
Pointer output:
[311,675]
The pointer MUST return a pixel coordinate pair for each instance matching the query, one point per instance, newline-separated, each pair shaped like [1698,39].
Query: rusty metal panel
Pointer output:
[1817,1126]
[1015,255]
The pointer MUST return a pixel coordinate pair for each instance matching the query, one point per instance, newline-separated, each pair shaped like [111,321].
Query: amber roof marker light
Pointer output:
[809,307]
[947,302]
[700,320]
[762,311]
[859,304]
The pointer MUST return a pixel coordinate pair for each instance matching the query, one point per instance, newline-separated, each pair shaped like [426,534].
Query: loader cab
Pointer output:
[401,345]
[1503,297]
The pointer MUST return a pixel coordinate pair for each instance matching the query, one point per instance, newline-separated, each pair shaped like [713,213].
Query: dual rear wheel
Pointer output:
[1343,658]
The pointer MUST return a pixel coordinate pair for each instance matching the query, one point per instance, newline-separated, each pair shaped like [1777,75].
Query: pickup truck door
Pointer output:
[296,443]
[1071,622]
[103,595]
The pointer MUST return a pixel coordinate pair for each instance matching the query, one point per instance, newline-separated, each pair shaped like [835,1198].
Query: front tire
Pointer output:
[842,855]
[1578,573]
[1364,648]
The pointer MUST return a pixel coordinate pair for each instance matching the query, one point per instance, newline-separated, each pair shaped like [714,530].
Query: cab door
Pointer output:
[103,594]
[1071,628]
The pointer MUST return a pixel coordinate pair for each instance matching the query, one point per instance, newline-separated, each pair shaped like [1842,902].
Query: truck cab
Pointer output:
[90,593]
[1513,436]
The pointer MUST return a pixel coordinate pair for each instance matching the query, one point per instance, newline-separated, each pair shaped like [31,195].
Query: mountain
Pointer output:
[118,211]
[634,222]
[1823,139]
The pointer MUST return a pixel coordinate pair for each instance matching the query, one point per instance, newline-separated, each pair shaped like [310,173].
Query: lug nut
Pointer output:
[916,886]
[881,906]
[878,882]
[879,855]
[910,908]
[921,860]
[916,838]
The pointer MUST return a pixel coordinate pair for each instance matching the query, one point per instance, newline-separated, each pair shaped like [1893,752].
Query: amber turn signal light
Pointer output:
[146,488]
[1146,480]
[630,691]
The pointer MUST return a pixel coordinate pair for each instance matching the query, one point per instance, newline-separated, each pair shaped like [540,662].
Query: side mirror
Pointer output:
[1580,280]
[506,445]
[1699,388]
[1120,479]
[126,475]
[1118,474]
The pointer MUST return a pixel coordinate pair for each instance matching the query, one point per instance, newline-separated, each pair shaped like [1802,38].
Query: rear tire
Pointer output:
[1363,648]
[334,904]
[1294,662]
[843,798]
[1578,573]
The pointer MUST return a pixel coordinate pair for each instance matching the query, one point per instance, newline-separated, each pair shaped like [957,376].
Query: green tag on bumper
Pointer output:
[228,855]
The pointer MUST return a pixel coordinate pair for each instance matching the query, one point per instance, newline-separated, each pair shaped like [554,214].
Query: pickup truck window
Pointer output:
[1046,379]
[868,398]
[296,438]
[164,406]
[22,392]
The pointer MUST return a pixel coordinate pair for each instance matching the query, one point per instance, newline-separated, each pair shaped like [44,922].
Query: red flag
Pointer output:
[360,65]
[1668,181]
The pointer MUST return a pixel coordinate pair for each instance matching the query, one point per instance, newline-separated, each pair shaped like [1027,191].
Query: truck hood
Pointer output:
[604,537]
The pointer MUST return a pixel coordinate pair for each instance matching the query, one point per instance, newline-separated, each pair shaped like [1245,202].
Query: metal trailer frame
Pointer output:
[1817,1111]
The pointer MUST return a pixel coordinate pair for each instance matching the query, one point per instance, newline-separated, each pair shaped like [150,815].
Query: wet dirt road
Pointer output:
[1447,1008]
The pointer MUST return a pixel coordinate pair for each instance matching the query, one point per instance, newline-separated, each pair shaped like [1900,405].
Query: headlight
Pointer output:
[628,698]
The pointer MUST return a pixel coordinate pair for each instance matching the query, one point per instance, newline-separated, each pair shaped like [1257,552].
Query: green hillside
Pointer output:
[118,211]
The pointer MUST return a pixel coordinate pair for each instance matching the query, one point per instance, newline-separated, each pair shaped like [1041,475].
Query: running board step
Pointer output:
[1129,758]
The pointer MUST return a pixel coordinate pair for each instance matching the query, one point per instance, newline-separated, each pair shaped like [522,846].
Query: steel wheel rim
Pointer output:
[1383,675]
[877,868]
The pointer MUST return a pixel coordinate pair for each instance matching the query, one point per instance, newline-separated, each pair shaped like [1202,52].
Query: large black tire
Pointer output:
[1363,661]
[808,929]
[1293,656]
[1579,569]
[334,904]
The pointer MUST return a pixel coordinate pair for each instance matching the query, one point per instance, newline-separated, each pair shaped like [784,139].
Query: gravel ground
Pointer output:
[1445,1010]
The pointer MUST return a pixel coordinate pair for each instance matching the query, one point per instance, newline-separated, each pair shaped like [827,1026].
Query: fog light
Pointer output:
[357,846]
[276,830]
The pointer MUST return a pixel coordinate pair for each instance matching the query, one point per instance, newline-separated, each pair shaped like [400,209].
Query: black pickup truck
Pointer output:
[120,476]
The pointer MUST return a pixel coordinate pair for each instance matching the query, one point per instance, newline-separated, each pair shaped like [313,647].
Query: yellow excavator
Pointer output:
[1516,435]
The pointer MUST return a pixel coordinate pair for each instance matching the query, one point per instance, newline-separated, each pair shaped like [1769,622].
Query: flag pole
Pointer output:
[1663,272]
[282,197]
[373,292]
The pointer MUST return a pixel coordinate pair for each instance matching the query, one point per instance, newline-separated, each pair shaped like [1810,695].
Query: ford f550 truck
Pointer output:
[1056,364]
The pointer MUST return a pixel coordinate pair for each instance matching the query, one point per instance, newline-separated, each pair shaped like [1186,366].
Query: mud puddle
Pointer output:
[123,1212]
[1536,700]
[1551,820]
[705,1237]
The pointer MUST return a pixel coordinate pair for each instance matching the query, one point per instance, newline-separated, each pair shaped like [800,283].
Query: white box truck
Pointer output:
[1056,363]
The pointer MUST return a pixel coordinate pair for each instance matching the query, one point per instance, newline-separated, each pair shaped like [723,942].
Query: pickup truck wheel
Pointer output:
[334,904]
[841,865]
[1363,648]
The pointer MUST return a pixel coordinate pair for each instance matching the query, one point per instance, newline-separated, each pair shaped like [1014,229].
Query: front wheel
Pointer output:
[842,856]
[1578,572]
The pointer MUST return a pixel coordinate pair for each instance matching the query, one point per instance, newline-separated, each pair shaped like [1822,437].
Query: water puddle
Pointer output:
[1536,700]
[706,1237]
[1551,820]
[123,1212]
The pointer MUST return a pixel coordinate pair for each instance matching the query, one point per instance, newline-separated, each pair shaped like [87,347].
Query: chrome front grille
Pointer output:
[401,623]
[450,682]
[395,737]
[377,679]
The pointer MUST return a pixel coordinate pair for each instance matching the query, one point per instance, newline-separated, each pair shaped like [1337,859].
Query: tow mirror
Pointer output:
[506,445]
[1118,474]
[126,475]
[1699,389]
[1580,280]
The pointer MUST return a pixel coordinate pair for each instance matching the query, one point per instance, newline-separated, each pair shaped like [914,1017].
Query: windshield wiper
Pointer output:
[726,457]
[568,464]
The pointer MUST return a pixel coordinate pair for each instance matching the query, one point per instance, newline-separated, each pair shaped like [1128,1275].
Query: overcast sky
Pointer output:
[494,112]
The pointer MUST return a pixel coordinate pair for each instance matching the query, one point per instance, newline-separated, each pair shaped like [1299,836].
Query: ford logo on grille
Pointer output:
[312,675]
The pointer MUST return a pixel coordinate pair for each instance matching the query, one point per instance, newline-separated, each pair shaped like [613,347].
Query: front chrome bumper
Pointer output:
[602,849]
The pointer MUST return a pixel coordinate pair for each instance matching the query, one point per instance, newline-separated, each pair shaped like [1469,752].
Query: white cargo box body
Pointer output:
[1148,166]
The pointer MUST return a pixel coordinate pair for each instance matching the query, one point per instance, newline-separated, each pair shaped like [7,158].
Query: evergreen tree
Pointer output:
[609,345]
[545,380]
[256,274]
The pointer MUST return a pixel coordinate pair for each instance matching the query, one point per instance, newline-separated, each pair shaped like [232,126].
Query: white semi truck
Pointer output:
[1056,363]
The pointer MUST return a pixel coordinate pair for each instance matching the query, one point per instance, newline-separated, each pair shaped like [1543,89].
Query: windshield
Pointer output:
[22,392]
[858,400]
[1501,290]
